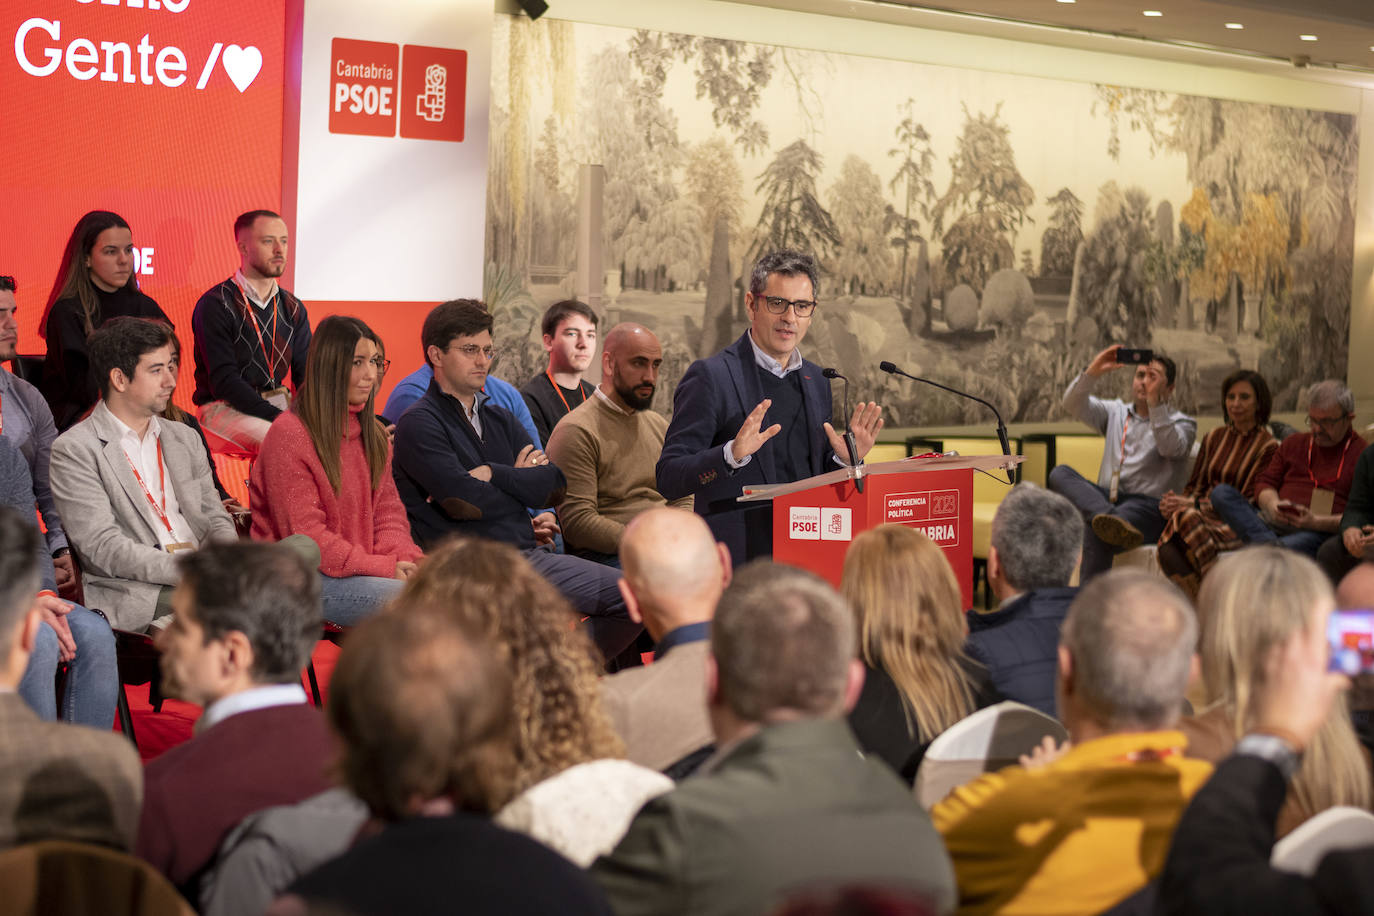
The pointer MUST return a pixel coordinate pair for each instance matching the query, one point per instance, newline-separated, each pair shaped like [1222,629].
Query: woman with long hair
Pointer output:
[325,471]
[569,785]
[95,282]
[1234,453]
[1253,601]
[909,612]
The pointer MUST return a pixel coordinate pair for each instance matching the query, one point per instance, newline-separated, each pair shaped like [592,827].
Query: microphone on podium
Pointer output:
[848,433]
[891,369]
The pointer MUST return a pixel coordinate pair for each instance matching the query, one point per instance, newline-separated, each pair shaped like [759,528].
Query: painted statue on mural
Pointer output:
[990,231]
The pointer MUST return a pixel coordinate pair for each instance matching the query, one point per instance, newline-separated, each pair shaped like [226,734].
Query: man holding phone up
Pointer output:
[1146,455]
[1303,491]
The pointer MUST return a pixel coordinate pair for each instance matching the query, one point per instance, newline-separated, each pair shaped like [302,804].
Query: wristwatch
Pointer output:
[61,552]
[1273,749]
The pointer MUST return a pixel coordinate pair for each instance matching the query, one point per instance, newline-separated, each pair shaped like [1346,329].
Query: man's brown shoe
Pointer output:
[1118,532]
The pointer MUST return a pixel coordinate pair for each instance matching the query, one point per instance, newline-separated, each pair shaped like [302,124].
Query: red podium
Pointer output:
[815,519]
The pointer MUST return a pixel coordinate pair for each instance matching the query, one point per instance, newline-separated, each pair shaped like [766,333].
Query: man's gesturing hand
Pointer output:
[866,423]
[750,438]
[1105,362]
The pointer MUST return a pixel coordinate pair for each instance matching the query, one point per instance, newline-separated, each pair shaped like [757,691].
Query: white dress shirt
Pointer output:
[142,455]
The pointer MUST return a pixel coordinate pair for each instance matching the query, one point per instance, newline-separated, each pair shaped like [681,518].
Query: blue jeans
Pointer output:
[349,600]
[1237,512]
[593,592]
[92,677]
[1090,499]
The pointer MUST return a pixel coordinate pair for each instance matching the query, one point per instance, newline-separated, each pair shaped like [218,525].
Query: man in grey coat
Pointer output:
[788,803]
[132,489]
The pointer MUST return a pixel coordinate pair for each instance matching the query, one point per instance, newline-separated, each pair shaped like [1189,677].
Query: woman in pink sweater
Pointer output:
[325,471]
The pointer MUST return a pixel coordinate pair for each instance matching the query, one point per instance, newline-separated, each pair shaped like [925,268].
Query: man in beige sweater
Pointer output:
[608,446]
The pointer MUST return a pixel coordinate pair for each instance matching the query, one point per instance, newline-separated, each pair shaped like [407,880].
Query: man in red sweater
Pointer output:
[1302,493]
[245,618]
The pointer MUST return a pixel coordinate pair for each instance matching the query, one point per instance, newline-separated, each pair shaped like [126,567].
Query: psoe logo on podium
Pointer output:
[837,524]
[804,523]
[433,93]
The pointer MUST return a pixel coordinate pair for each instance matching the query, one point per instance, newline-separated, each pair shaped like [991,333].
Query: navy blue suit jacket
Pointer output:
[1019,645]
[709,407]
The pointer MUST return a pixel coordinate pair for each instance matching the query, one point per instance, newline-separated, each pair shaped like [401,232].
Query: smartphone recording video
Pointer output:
[1350,634]
[1126,356]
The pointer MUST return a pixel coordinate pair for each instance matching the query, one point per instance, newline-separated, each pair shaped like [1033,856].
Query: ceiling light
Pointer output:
[1234,25]
[1152,13]
[1067,1]
[1308,37]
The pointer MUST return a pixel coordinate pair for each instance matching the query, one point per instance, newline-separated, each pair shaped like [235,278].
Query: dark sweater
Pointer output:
[436,446]
[546,405]
[68,384]
[789,410]
[1019,645]
[230,363]
[459,864]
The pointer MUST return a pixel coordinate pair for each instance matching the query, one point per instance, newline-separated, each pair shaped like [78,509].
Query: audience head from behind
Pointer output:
[99,255]
[341,379]
[1037,539]
[456,338]
[135,366]
[908,608]
[492,589]
[422,704]
[20,619]
[244,615]
[782,650]
[1250,604]
[1125,656]
[674,570]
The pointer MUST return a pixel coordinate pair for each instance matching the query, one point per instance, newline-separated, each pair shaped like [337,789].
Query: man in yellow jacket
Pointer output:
[1079,829]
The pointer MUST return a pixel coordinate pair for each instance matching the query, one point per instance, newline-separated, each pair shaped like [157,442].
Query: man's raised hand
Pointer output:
[750,438]
[866,423]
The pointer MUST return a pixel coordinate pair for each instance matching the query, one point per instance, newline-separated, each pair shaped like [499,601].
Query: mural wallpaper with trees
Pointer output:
[987,230]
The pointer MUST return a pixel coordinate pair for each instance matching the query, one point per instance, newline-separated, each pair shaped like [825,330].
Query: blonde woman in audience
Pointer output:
[1250,603]
[571,787]
[911,626]
[324,471]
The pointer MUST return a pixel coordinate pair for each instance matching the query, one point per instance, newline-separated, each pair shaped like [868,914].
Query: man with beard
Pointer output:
[608,446]
[249,334]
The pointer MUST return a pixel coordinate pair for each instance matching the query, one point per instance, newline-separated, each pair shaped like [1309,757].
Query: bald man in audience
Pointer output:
[675,571]
[609,445]
[788,801]
[1080,829]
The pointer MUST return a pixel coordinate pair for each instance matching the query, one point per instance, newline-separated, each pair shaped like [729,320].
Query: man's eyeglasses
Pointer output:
[471,351]
[778,305]
[1326,422]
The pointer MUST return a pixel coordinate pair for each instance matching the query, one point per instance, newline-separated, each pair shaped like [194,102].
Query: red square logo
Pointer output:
[433,93]
[362,87]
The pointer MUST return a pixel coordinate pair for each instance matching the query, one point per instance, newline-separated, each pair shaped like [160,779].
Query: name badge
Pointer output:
[279,398]
[1322,501]
[1115,487]
[179,546]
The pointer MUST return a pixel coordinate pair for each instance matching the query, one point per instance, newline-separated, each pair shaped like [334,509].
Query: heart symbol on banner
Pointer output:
[242,65]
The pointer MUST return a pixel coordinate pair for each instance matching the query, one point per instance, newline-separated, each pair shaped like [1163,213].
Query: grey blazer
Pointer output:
[659,710]
[109,522]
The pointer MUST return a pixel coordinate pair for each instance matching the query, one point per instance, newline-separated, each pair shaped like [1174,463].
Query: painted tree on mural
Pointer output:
[1060,241]
[986,202]
[1117,294]
[917,159]
[793,216]
[863,260]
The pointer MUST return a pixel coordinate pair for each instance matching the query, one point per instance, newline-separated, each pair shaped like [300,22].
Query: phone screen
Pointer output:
[1350,634]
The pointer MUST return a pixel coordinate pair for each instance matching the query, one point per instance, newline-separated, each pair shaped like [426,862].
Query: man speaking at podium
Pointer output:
[757,413]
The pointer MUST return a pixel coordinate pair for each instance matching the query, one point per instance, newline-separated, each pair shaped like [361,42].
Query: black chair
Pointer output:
[29,368]
[334,633]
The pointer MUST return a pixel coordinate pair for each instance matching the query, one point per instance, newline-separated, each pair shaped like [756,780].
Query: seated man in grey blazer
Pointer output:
[61,782]
[134,490]
[788,802]
[674,572]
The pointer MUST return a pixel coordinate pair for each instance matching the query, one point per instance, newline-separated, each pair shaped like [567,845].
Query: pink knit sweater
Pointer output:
[361,532]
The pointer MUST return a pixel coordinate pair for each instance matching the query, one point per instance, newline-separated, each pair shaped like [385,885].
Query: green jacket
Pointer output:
[1359,505]
[793,807]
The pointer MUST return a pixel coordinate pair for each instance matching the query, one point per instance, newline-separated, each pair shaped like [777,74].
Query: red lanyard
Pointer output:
[2,412]
[257,328]
[1125,425]
[558,390]
[162,485]
[1340,468]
